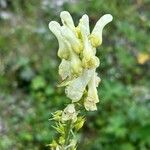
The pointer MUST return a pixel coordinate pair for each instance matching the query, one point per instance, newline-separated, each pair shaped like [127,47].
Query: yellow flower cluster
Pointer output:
[77,50]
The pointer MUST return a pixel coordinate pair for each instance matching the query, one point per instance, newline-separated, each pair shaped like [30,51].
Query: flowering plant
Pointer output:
[77,51]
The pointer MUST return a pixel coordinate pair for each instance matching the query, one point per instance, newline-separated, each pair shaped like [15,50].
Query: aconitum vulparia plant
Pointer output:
[77,51]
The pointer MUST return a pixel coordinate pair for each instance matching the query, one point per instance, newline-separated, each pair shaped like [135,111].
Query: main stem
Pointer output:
[68,130]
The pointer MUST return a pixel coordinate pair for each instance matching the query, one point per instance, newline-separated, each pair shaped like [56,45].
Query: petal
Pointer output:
[89,59]
[97,79]
[64,69]
[96,35]
[90,105]
[84,21]
[76,88]
[72,39]
[56,29]
[92,96]
[92,91]
[67,19]
[76,65]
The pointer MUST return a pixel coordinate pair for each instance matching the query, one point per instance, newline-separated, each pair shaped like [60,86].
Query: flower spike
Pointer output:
[77,50]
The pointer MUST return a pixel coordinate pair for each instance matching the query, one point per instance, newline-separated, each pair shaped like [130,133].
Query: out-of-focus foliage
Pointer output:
[28,74]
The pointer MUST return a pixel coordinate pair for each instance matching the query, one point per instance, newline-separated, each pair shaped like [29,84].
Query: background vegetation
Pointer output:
[28,74]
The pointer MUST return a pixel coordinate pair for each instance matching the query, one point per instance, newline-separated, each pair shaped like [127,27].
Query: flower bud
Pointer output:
[61,140]
[57,115]
[64,69]
[96,35]
[69,113]
[79,123]
[54,145]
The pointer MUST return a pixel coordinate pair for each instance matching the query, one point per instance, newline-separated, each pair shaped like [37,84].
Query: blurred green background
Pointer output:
[29,74]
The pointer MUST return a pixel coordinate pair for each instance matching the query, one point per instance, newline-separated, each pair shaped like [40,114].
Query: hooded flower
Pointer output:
[63,51]
[96,35]
[92,95]
[89,59]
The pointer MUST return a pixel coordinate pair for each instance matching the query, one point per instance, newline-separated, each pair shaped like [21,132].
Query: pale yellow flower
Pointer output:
[89,59]
[63,51]
[96,35]
[92,95]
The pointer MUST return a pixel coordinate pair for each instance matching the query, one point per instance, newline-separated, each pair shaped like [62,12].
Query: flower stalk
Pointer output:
[77,49]
[68,130]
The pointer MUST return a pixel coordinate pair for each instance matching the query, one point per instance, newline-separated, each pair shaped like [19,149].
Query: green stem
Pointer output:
[68,130]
